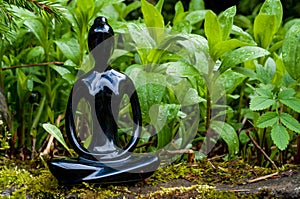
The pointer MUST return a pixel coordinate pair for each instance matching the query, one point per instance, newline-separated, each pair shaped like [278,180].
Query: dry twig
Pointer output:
[263,177]
[33,65]
[261,150]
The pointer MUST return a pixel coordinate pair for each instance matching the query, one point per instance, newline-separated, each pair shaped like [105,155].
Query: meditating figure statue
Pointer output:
[102,88]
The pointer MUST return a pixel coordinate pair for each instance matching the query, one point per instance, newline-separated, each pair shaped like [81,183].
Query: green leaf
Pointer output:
[293,103]
[226,46]
[267,119]
[286,93]
[290,122]
[280,136]
[290,51]
[245,71]
[264,29]
[196,5]
[179,13]
[242,35]
[261,102]
[230,80]
[22,84]
[265,90]
[159,5]
[273,7]
[226,21]
[152,16]
[181,69]
[212,28]
[141,37]
[161,116]
[86,7]
[267,22]
[228,134]
[185,94]
[195,16]
[151,88]
[266,73]
[53,130]
[35,53]
[70,48]
[65,73]
[280,71]
[241,55]
[131,7]
[183,26]
[38,29]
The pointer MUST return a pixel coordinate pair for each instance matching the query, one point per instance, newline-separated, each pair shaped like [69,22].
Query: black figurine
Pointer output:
[104,161]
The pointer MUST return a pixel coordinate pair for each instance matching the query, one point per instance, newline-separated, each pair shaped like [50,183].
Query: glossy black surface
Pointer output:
[105,160]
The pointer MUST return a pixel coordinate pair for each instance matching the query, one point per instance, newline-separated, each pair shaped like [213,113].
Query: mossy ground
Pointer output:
[33,180]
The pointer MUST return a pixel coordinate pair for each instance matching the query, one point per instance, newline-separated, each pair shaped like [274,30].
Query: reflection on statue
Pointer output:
[104,160]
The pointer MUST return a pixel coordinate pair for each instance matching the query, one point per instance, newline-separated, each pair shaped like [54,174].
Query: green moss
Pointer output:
[205,172]
[33,179]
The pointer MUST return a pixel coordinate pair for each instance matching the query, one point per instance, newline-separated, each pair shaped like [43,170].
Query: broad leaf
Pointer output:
[151,88]
[161,116]
[70,48]
[131,7]
[34,53]
[196,5]
[266,73]
[195,16]
[267,22]
[151,14]
[264,29]
[290,51]
[290,122]
[280,136]
[53,130]
[286,93]
[38,29]
[22,88]
[86,7]
[231,80]
[273,7]
[293,103]
[242,35]
[185,94]
[260,103]
[181,69]
[226,46]
[245,71]
[241,55]
[212,28]
[65,73]
[265,90]
[159,5]
[267,119]
[228,134]
[179,13]
[226,21]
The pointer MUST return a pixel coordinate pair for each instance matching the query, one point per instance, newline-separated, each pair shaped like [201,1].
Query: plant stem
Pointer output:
[33,65]
[261,150]
[208,109]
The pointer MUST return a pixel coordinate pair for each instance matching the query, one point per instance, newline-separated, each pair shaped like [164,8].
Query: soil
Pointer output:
[284,185]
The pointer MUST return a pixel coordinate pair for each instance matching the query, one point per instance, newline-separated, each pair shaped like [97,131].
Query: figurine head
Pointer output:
[101,41]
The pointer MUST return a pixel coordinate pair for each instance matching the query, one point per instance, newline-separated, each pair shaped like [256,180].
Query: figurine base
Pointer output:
[77,170]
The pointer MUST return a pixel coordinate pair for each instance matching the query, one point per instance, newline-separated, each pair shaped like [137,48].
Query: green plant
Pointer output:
[275,92]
